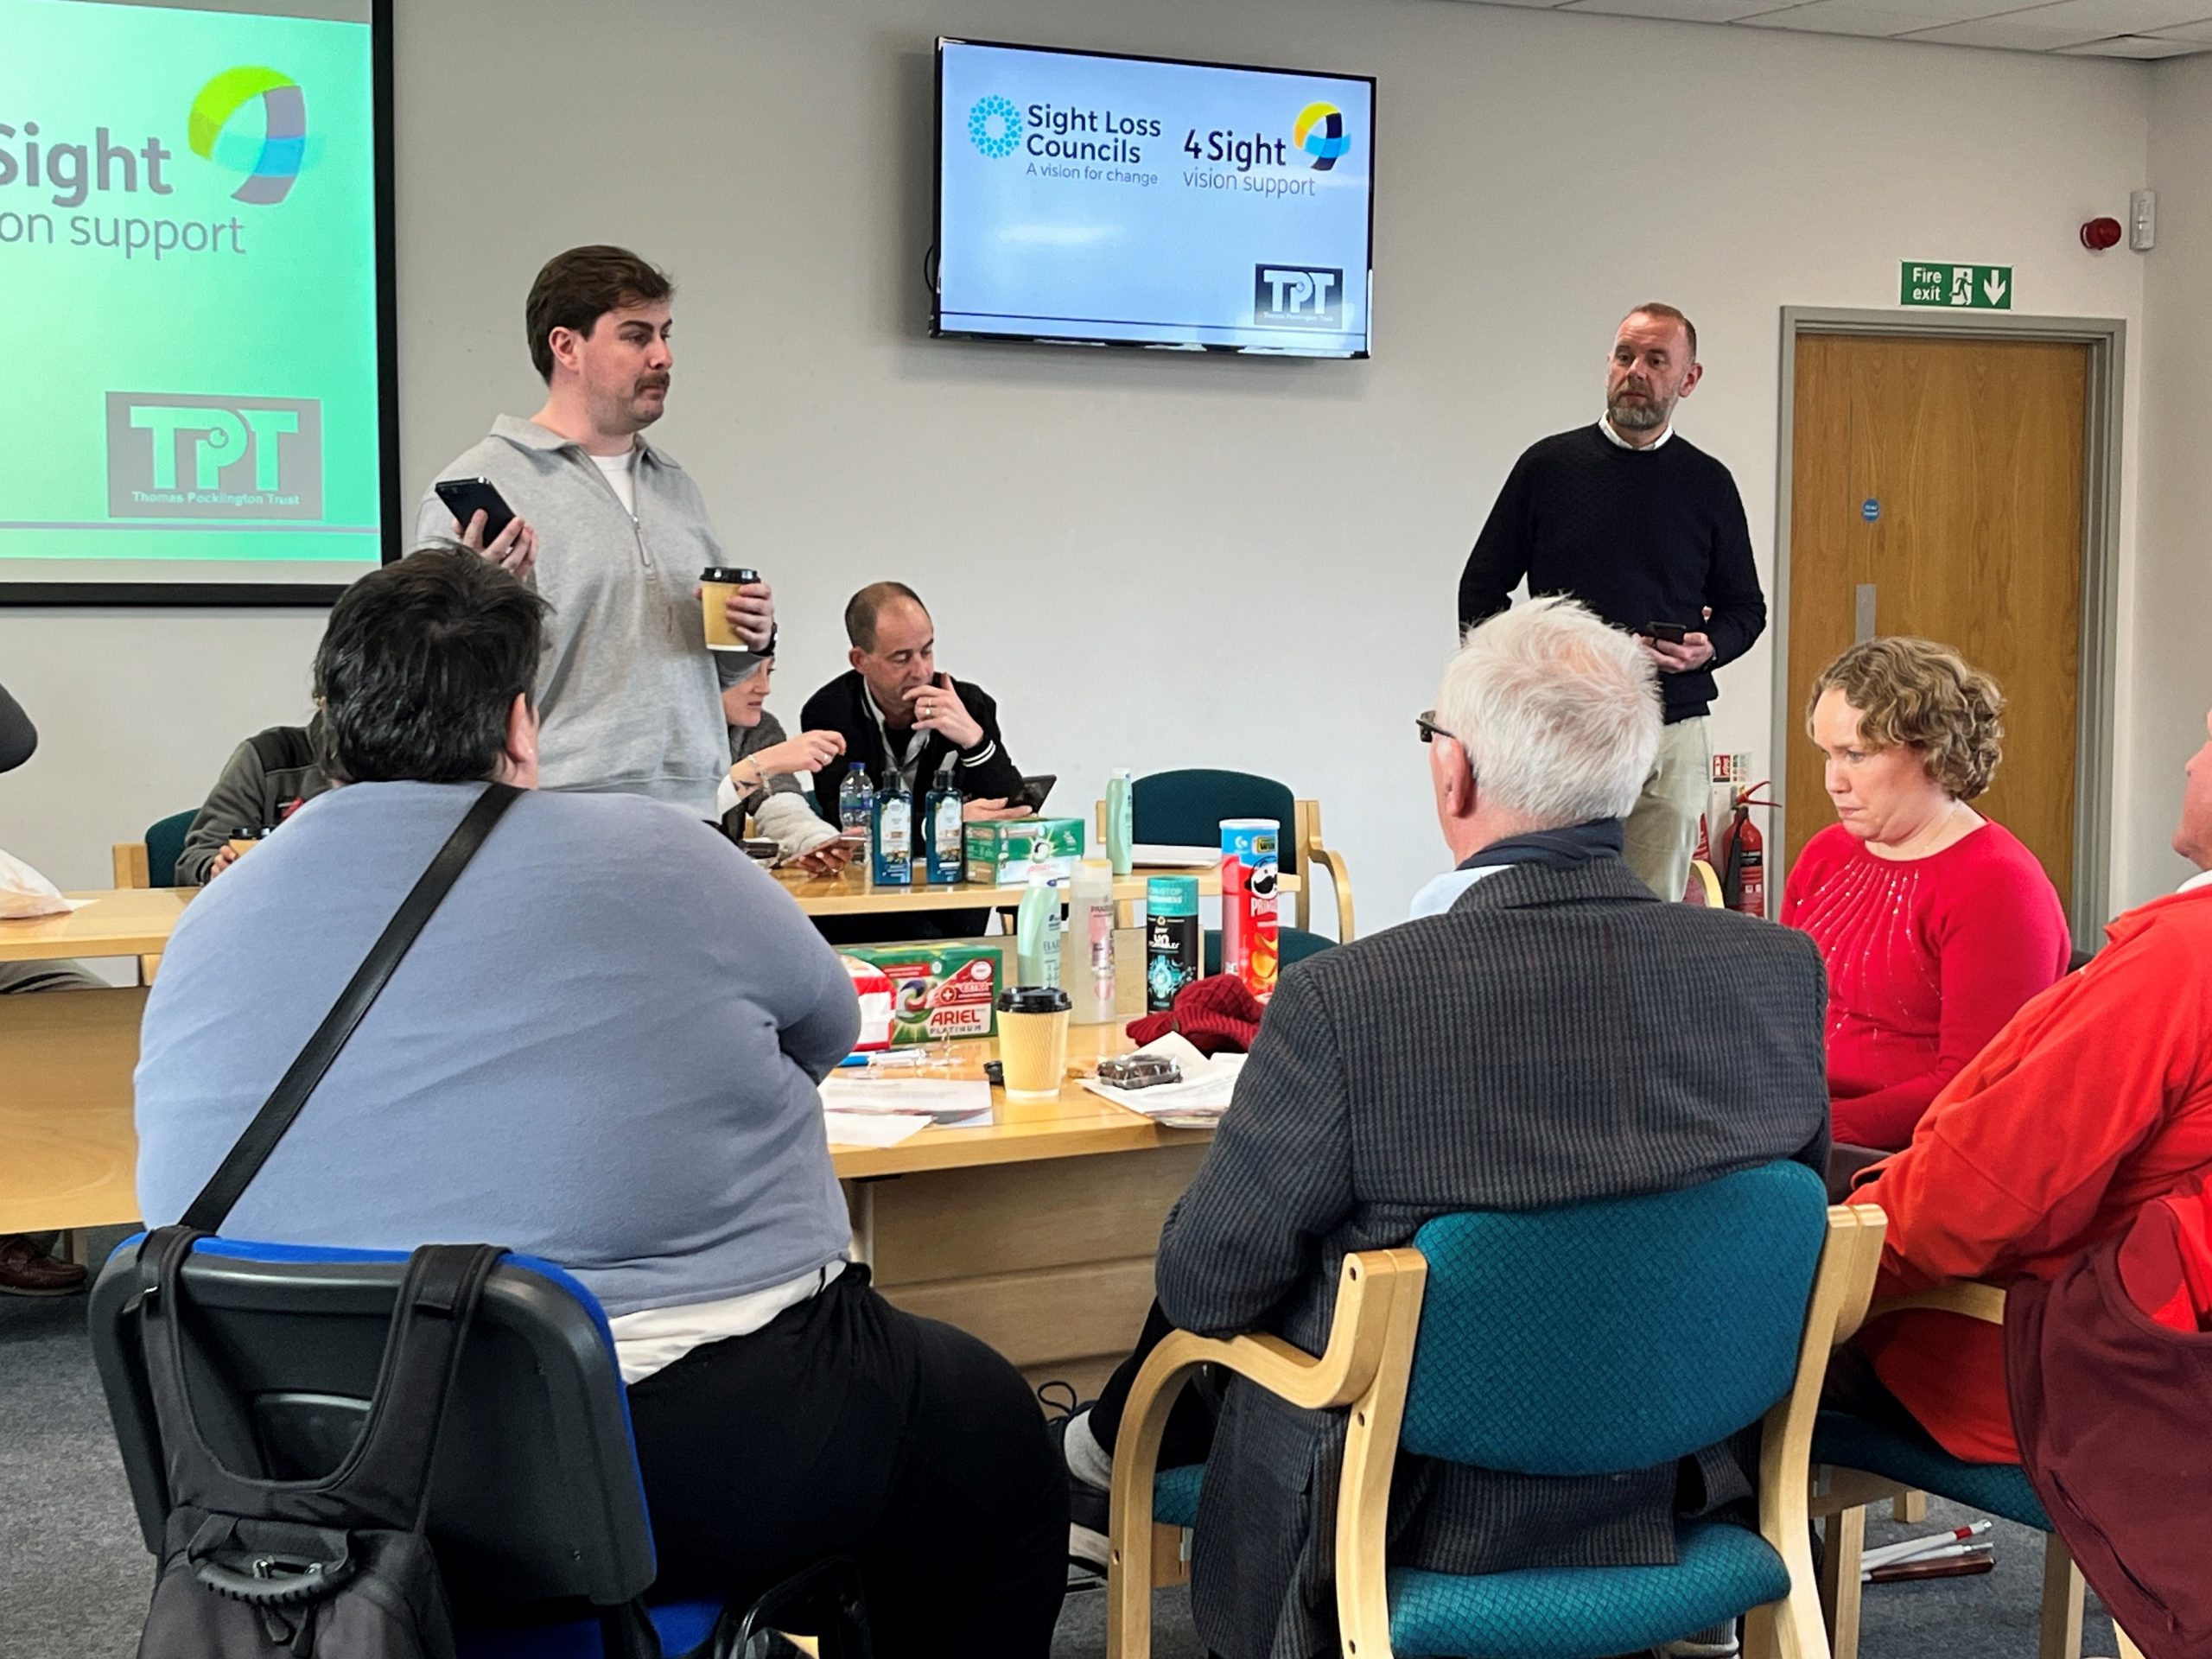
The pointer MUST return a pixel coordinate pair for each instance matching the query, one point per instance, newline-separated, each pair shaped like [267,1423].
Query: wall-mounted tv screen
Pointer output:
[1145,201]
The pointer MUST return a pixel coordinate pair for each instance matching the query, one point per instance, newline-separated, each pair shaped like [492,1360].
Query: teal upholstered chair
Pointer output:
[1857,1463]
[152,862]
[1185,809]
[1597,1338]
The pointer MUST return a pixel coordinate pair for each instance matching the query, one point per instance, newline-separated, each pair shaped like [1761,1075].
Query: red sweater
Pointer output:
[1928,958]
[2095,1101]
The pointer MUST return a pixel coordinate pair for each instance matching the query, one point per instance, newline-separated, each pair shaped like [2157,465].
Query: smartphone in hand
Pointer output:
[467,497]
[1672,633]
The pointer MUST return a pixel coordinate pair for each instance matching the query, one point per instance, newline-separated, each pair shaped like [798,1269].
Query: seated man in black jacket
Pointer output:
[898,714]
[267,777]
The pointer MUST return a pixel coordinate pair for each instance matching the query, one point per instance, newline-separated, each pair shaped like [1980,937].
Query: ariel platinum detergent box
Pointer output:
[922,993]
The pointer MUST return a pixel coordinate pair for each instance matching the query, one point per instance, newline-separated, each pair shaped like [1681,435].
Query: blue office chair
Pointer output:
[537,1517]
[1185,809]
[1596,1339]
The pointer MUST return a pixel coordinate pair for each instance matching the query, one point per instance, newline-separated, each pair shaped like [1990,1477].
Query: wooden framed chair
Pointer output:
[152,863]
[1857,1463]
[1185,808]
[1419,1333]
[1706,884]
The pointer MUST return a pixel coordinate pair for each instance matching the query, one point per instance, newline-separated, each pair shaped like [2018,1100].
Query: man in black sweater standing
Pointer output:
[1647,530]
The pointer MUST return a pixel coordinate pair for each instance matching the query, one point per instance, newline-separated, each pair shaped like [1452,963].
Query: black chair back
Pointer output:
[535,1496]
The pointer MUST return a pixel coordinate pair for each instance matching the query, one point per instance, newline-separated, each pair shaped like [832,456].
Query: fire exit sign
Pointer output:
[1975,288]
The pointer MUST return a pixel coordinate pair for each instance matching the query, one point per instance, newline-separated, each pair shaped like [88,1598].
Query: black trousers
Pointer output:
[845,1427]
[1189,1435]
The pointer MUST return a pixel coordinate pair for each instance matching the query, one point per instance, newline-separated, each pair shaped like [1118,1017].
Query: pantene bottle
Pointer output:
[1087,947]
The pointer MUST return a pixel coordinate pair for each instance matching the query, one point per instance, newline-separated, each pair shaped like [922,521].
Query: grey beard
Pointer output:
[1636,417]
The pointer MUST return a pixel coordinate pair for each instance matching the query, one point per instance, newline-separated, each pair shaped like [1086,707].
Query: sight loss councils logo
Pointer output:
[1319,131]
[184,455]
[995,125]
[267,143]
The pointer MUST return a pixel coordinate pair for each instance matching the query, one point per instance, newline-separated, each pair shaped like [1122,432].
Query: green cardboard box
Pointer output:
[938,991]
[1001,854]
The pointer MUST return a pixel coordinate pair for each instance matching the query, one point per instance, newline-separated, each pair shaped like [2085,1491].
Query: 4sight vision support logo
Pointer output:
[1319,131]
[995,125]
[269,150]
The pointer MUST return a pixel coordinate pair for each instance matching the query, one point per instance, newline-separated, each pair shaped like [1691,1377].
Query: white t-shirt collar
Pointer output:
[2202,879]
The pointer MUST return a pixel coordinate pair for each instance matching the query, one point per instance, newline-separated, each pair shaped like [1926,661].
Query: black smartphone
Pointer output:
[1672,633]
[467,497]
[1031,796]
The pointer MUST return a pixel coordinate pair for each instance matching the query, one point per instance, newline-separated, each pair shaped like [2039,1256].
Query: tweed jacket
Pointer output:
[1557,1036]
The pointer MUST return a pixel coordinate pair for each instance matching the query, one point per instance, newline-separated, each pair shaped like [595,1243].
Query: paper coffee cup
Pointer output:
[1033,1041]
[717,584]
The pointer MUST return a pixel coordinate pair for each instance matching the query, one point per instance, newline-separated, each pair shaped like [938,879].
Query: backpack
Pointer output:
[338,1566]
[335,1567]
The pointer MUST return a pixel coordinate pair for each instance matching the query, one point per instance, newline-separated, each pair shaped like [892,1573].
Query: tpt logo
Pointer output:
[995,125]
[1302,297]
[181,455]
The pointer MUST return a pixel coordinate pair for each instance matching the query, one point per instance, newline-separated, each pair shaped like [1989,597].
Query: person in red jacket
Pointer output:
[2094,1101]
[1937,924]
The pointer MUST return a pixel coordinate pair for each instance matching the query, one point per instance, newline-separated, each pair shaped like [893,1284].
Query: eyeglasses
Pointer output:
[1430,731]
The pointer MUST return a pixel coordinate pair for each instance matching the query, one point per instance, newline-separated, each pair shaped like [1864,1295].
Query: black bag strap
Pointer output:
[384,1480]
[207,1212]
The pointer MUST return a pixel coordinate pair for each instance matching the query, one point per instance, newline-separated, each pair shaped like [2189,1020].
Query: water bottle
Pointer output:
[893,842]
[1036,932]
[942,832]
[856,805]
[1120,821]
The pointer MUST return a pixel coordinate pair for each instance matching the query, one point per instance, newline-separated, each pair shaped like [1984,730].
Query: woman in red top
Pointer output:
[1937,924]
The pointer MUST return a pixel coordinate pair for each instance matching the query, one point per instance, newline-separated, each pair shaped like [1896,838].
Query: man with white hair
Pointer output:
[1543,1032]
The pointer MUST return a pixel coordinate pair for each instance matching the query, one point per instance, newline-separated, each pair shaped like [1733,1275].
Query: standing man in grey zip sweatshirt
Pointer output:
[614,534]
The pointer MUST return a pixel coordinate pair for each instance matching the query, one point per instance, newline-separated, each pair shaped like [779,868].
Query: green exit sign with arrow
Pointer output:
[1964,288]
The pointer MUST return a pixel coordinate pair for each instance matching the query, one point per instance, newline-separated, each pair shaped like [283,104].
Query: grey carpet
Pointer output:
[73,1576]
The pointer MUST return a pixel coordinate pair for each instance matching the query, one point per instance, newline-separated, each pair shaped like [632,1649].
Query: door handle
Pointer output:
[1863,613]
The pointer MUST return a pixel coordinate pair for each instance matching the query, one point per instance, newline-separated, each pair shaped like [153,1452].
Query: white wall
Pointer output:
[2173,623]
[1151,561]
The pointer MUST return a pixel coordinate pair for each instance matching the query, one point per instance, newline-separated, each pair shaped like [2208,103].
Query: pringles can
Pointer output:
[1248,944]
[1171,937]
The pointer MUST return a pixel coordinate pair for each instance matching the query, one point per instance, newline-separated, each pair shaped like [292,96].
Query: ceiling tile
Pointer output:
[1871,16]
[2134,46]
[2200,32]
[2068,23]
[1688,11]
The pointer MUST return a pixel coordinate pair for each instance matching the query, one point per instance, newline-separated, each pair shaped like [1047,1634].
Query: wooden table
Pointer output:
[120,922]
[1036,1232]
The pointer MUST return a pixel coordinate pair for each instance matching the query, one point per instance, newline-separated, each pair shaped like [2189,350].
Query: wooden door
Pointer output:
[1946,475]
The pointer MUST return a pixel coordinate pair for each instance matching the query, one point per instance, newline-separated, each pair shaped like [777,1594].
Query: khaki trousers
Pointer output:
[1663,829]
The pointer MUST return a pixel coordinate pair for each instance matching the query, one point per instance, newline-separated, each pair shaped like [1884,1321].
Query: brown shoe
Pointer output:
[26,1270]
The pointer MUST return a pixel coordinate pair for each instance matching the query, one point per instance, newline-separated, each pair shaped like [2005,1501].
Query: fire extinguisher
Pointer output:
[1741,855]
